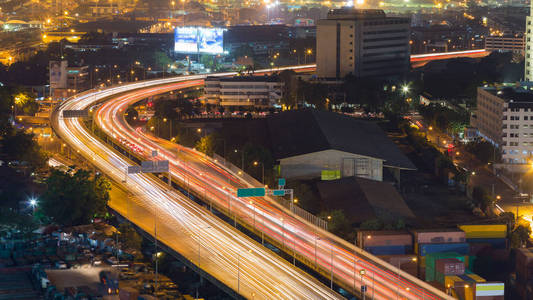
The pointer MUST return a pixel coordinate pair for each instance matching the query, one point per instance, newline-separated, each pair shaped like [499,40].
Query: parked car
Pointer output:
[61,265]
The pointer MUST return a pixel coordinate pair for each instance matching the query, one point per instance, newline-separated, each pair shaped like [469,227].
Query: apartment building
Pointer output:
[362,42]
[505,117]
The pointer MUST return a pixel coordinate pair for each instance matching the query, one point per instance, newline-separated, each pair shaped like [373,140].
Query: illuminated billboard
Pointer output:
[199,40]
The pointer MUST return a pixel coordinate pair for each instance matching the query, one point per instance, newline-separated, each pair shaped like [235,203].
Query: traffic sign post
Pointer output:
[281,183]
[149,166]
[251,192]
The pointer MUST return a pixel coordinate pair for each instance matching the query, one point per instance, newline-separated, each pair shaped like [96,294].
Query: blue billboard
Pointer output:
[199,40]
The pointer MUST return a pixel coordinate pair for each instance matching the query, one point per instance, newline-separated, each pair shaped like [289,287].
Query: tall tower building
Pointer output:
[528,61]
[362,42]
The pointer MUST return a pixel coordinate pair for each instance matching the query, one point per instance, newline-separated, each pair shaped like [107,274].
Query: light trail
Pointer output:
[217,184]
[228,255]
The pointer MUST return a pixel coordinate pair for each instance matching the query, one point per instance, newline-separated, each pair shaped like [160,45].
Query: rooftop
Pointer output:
[353,13]
[364,199]
[247,78]
[511,93]
[299,132]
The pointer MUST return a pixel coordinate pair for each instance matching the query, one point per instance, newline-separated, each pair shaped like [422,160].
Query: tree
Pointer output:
[131,114]
[520,234]
[74,197]
[129,238]
[161,60]
[481,198]
[286,77]
[484,151]
[372,224]
[337,222]
[19,146]
[206,145]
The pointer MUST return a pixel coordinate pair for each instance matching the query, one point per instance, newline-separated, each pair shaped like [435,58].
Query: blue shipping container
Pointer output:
[389,250]
[461,248]
[499,243]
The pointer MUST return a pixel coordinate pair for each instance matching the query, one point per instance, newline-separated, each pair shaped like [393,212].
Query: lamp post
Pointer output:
[362,272]
[33,204]
[331,281]
[307,52]
[242,158]
[263,171]
[316,242]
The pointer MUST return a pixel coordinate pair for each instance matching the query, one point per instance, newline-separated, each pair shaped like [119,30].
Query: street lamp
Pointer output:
[263,171]
[33,203]
[242,159]
[308,52]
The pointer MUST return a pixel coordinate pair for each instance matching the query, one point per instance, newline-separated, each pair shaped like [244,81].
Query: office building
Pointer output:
[362,42]
[258,91]
[528,61]
[512,43]
[504,116]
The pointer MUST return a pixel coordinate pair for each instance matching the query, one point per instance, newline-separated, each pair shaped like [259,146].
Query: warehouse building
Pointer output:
[311,144]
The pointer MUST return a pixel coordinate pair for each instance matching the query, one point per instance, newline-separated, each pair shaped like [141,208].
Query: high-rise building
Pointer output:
[363,42]
[504,116]
[528,61]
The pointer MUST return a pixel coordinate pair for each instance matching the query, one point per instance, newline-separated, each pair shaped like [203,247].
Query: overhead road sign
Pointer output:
[252,192]
[158,166]
[134,169]
[278,192]
[75,114]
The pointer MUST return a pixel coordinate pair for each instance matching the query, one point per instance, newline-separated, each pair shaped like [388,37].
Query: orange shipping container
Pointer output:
[383,238]
[439,236]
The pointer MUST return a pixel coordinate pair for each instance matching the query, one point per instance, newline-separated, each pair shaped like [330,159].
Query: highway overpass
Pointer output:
[319,249]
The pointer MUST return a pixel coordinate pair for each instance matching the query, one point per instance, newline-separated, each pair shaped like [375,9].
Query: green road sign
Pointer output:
[278,192]
[253,192]
[281,181]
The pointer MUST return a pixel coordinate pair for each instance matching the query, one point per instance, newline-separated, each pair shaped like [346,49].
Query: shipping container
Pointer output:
[489,290]
[432,258]
[450,266]
[439,277]
[383,238]
[449,281]
[484,231]
[475,277]
[496,243]
[425,249]
[428,236]
[464,290]
[388,250]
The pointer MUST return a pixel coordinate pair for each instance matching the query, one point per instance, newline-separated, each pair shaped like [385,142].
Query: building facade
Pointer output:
[528,61]
[259,91]
[362,42]
[505,116]
[311,165]
[515,44]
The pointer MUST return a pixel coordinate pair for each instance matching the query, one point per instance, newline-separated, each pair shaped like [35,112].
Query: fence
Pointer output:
[302,213]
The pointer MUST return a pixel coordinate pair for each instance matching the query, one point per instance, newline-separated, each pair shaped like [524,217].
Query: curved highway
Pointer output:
[228,255]
[210,178]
